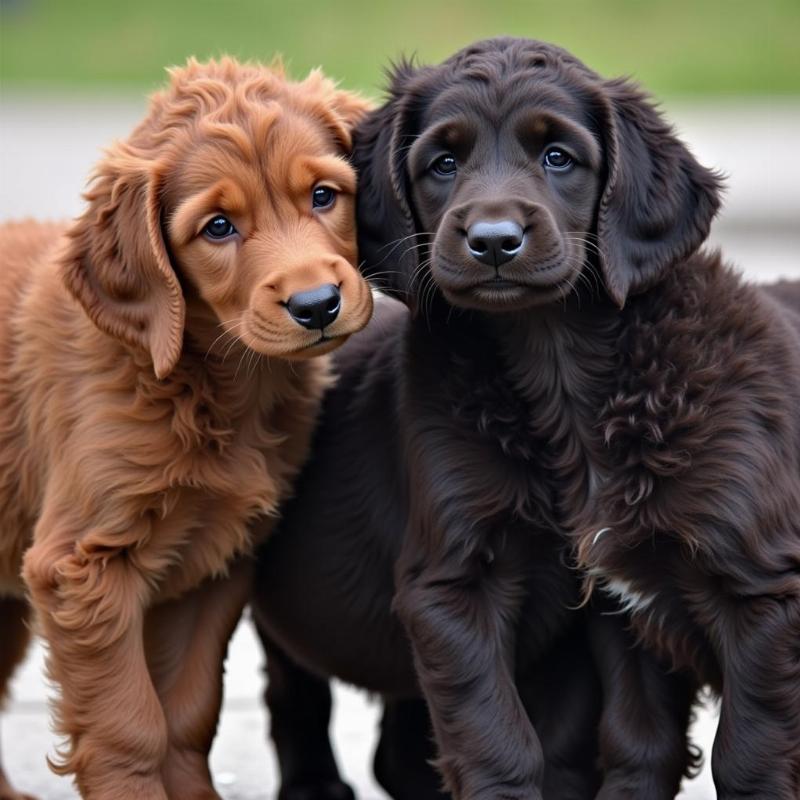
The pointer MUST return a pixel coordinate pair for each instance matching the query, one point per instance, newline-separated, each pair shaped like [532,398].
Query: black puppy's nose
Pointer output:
[316,308]
[494,243]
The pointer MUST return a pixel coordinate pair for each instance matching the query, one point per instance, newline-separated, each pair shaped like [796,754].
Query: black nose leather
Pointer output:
[316,308]
[494,243]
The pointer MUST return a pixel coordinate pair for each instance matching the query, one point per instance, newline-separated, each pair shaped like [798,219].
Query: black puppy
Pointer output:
[325,585]
[488,187]
[659,396]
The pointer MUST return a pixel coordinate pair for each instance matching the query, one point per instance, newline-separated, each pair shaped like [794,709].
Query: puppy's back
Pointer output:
[787,295]
[24,245]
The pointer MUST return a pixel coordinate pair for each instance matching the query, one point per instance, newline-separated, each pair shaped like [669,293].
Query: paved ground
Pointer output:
[47,145]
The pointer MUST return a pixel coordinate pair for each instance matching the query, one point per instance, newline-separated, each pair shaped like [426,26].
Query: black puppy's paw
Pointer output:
[322,790]
[637,788]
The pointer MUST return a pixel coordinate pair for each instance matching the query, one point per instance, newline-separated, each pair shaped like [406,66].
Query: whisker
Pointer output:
[405,238]
[383,272]
[397,242]
[230,328]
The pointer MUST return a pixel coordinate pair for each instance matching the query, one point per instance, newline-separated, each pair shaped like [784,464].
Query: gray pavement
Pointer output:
[47,147]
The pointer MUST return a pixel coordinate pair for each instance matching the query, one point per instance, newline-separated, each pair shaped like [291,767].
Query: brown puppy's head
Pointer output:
[511,168]
[232,198]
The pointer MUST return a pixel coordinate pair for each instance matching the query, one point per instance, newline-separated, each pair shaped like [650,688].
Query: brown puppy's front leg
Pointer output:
[91,608]
[14,636]
[186,643]
[459,613]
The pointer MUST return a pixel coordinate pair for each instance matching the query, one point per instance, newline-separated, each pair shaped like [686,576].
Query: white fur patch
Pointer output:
[629,599]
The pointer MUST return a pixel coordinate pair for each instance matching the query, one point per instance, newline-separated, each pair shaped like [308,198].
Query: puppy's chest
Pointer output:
[237,448]
[636,578]
[486,406]
[659,590]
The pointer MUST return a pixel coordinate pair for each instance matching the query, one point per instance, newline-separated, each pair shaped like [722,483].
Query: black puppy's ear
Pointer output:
[658,201]
[384,217]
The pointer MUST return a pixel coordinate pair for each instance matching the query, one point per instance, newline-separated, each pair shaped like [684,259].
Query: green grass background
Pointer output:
[675,47]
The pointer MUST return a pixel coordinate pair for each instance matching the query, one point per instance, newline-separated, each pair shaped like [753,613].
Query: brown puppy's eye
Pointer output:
[445,165]
[323,197]
[219,228]
[557,159]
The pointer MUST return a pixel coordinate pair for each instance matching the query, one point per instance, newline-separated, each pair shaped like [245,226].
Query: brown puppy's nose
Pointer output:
[494,243]
[316,308]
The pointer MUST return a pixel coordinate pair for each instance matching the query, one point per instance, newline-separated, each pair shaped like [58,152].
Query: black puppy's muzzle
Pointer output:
[495,243]
[316,308]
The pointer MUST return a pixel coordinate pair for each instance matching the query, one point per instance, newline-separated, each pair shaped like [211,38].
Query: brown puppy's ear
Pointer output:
[658,202]
[116,263]
[341,110]
[351,107]
[384,216]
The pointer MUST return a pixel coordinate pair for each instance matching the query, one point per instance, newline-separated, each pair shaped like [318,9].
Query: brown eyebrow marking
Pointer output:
[225,195]
[308,170]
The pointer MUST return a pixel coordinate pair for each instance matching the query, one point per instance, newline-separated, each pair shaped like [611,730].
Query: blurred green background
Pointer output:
[675,47]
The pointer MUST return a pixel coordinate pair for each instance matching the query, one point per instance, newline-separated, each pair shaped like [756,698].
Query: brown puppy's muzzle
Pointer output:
[307,309]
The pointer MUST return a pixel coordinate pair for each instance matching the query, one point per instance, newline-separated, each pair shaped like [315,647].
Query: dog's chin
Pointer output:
[317,344]
[499,296]
[324,345]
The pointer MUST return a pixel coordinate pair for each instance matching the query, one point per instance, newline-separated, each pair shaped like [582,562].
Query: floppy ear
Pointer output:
[340,109]
[384,216]
[350,107]
[658,202]
[116,263]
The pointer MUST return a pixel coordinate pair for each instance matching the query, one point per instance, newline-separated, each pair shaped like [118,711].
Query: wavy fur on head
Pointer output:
[148,411]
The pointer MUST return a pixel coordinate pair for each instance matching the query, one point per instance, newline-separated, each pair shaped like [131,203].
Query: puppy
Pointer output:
[158,394]
[650,414]
[450,460]
[545,225]
[330,613]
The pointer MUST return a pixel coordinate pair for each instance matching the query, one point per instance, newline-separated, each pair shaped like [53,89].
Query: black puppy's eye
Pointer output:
[219,228]
[445,165]
[557,159]
[323,197]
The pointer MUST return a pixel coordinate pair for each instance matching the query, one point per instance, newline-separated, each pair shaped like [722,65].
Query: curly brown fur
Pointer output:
[149,410]
[653,419]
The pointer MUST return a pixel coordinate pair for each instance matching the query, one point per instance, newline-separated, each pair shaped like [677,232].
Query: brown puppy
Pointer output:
[149,410]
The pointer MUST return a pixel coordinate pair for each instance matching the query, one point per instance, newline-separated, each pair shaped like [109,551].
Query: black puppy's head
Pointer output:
[511,168]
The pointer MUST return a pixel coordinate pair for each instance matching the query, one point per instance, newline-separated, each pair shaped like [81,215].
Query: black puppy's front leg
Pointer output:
[459,612]
[757,747]
[300,710]
[644,749]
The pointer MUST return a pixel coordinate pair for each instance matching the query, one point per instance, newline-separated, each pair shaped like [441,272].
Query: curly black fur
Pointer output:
[628,399]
